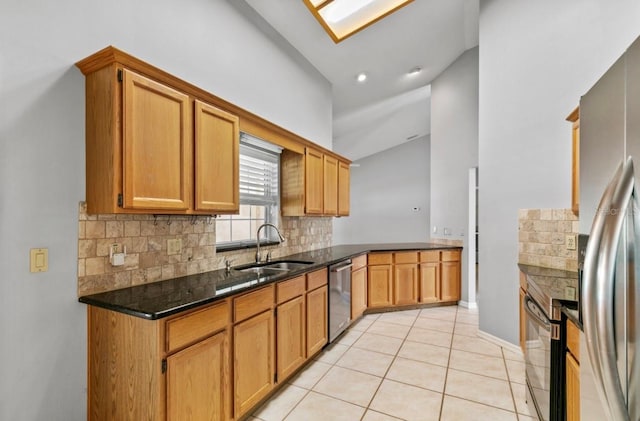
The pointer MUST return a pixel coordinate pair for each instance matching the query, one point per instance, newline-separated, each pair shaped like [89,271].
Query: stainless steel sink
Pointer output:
[273,268]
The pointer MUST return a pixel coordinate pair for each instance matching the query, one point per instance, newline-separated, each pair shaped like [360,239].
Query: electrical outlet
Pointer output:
[570,241]
[447,231]
[435,229]
[569,293]
[174,246]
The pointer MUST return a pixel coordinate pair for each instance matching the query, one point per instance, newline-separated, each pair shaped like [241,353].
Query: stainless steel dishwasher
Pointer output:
[339,298]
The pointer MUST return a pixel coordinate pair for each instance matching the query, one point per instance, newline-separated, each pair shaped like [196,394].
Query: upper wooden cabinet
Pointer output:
[145,154]
[314,183]
[574,118]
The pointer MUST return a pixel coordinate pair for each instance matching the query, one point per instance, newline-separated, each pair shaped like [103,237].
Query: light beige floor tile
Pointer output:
[478,364]
[455,409]
[276,408]
[362,324]
[449,316]
[481,389]
[467,310]
[400,319]
[349,337]
[424,352]
[434,324]
[308,377]
[516,370]
[511,355]
[317,407]
[371,415]
[371,317]
[477,345]
[427,336]
[332,354]
[416,373]
[378,343]
[412,312]
[348,385]
[407,402]
[388,329]
[466,330]
[452,309]
[471,319]
[369,362]
[520,397]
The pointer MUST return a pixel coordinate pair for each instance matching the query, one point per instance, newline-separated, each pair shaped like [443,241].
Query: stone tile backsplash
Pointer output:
[148,260]
[542,238]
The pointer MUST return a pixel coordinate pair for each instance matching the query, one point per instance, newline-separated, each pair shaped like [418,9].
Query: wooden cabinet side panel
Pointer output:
[253,361]
[344,189]
[572,388]
[523,322]
[314,180]
[330,185]
[379,286]
[405,284]
[317,320]
[198,381]
[429,282]
[120,387]
[292,195]
[103,141]
[358,292]
[157,145]
[450,284]
[291,337]
[217,152]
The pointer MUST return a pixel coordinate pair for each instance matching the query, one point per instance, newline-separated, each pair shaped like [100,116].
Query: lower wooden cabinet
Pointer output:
[358,292]
[317,319]
[253,361]
[198,381]
[450,281]
[430,282]
[405,284]
[380,285]
[572,388]
[291,336]
[439,276]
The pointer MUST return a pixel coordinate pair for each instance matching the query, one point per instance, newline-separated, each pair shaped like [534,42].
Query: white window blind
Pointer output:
[259,171]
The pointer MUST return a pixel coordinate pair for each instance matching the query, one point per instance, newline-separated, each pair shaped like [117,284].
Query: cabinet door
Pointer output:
[573,388]
[317,319]
[330,185]
[198,382]
[358,292]
[379,286]
[405,284]
[430,282]
[313,182]
[254,360]
[450,282]
[343,189]
[157,145]
[523,322]
[290,333]
[216,159]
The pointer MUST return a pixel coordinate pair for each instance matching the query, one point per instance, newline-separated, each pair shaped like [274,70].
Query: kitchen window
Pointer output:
[259,196]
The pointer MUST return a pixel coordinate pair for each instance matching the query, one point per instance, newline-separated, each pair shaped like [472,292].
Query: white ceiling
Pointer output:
[390,106]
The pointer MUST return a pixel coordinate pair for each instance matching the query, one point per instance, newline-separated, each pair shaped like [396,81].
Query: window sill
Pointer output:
[243,246]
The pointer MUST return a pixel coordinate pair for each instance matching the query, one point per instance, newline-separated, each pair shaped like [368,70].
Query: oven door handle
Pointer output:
[533,309]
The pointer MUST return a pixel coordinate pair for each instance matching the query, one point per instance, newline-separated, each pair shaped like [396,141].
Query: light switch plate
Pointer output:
[39,260]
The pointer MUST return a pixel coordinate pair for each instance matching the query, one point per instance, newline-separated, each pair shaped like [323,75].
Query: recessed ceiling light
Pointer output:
[415,71]
[361,77]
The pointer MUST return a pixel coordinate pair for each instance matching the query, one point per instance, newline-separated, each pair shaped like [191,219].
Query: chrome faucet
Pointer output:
[258,258]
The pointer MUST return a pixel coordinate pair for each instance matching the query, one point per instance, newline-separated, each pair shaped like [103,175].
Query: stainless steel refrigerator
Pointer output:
[609,206]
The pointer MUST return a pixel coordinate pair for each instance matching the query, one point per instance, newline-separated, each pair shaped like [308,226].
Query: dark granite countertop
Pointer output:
[556,288]
[164,298]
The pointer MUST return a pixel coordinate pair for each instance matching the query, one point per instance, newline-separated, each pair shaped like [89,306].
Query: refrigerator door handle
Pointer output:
[603,348]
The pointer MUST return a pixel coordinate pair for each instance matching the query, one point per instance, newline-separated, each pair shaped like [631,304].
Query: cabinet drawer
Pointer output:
[380,259]
[316,279]
[359,262]
[406,257]
[573,340]
[430,256]
[187,329]
[450,255]
[286,290]
[252,303]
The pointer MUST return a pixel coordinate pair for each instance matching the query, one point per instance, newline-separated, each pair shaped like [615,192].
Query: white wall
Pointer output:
[385,187]
[536,60]
[206,42]
[454,149]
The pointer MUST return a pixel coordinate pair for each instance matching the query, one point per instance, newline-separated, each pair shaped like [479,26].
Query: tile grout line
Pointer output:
[446,374]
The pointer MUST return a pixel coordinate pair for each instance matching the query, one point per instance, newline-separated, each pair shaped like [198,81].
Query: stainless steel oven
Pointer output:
[544,355]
